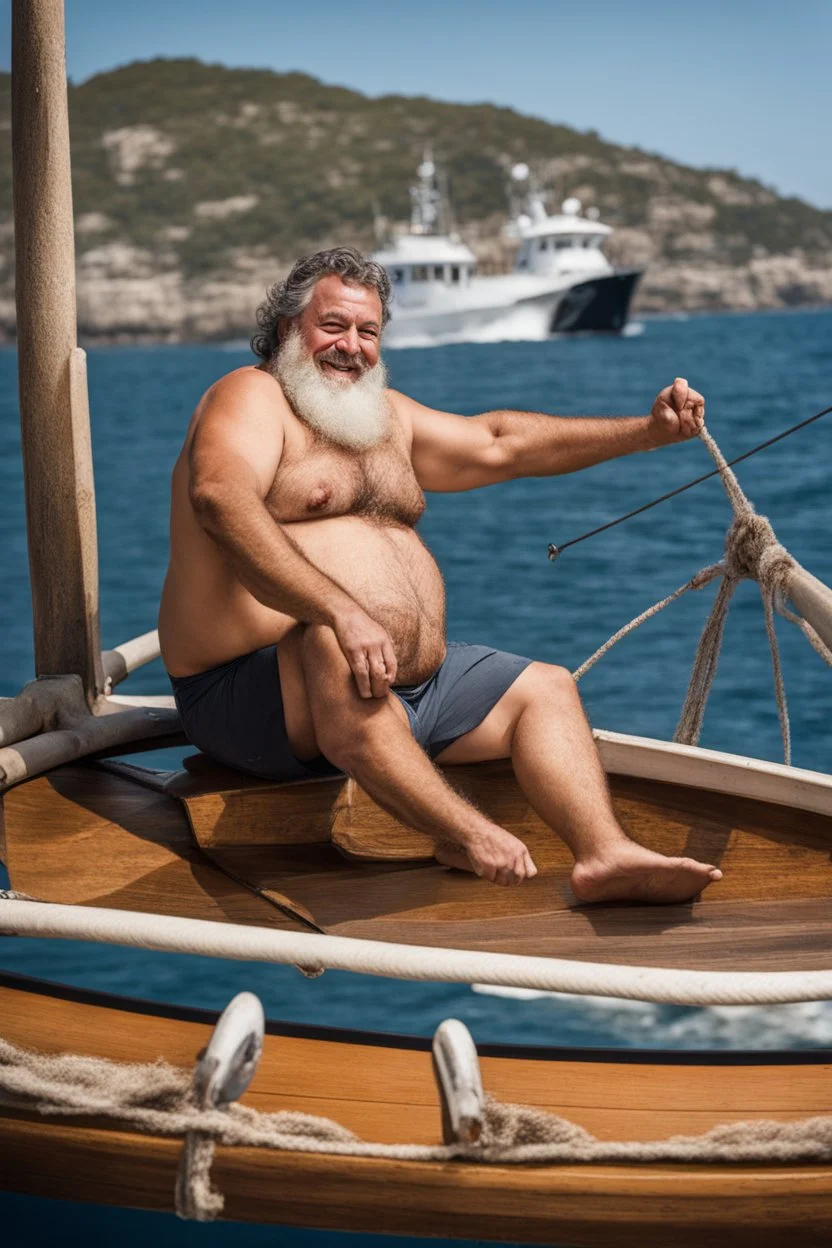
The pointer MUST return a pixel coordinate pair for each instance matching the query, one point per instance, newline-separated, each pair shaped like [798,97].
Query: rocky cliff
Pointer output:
[196,186]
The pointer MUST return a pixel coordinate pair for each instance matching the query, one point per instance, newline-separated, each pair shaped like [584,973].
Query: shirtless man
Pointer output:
[303,619]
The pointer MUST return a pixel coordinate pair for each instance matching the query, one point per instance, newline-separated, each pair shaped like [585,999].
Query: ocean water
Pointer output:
[759,374]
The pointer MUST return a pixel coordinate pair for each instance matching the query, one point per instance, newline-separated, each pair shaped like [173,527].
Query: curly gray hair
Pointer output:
[289,298]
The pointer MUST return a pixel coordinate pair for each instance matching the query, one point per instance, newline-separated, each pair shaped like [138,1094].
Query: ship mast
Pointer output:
[54,407]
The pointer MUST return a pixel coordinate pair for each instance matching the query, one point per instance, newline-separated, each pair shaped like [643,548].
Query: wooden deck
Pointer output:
[320,855]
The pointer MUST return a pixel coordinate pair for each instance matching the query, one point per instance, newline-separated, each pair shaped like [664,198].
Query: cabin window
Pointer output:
[454,272]
[563,244]
[420,273]
[439,272]
[543,244]
[398,275]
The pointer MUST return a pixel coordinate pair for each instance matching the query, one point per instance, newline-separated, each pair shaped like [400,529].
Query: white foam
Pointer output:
[612,1021]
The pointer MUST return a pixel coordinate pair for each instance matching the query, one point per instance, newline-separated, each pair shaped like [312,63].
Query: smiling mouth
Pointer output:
[339,368]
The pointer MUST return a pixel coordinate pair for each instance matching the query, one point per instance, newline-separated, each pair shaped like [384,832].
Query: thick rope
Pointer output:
[157,1099]
[752,552]
[207,937]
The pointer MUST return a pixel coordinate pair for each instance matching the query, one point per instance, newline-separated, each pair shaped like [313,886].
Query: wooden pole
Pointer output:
[813,600]
[54,415]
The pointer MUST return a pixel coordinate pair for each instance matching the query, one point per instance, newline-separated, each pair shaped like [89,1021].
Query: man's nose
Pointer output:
[349,341]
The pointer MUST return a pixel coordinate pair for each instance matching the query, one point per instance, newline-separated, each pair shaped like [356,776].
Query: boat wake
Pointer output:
[637,1024]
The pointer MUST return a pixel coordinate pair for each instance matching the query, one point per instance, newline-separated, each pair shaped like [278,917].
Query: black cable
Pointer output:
[555,551]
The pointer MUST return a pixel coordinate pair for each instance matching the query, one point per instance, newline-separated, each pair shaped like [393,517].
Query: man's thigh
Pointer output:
[492,738]
[319,674]
[296,710]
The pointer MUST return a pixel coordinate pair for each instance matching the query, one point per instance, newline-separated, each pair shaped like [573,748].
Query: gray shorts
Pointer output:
[234,712]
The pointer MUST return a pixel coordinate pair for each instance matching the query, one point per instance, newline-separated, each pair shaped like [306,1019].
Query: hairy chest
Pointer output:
[320,481]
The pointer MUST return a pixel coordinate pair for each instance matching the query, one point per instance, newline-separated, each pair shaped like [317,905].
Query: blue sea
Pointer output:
[759,374]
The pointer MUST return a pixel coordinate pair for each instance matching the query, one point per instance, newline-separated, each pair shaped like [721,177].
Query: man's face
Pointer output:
[330,367]
[341,329]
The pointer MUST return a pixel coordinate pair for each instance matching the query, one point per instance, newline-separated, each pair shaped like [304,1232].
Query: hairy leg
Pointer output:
[370,739]
[540,724]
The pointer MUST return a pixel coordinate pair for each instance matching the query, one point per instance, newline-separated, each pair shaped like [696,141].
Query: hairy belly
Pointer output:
[391,574]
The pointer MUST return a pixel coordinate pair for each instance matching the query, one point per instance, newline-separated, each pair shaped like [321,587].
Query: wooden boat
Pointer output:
[315,873]
[382,1087]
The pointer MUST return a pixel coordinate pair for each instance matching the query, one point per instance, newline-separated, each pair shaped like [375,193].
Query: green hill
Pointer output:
[192,178]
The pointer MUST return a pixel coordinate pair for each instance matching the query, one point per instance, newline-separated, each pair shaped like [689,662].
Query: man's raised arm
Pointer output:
[233,459]
[462,453]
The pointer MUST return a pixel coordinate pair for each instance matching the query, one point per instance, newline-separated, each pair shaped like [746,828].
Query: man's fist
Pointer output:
[677,414]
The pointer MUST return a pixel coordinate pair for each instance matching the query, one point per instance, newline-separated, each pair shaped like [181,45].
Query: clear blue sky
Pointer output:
[731,83]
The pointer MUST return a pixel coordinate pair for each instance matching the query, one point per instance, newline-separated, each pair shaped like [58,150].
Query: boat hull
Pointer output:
[382,1087]
[526,318]
[600,305]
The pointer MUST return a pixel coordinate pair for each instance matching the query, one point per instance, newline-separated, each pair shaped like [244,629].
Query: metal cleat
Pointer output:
[229,1063]
[458,1078]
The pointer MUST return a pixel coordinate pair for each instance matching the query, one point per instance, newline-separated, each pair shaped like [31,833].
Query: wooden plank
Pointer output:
[267,815]
[588,1207]
[57,461]
[387,1093]
[85,837]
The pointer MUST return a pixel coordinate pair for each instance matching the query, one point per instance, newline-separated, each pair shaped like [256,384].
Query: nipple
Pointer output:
[319,496]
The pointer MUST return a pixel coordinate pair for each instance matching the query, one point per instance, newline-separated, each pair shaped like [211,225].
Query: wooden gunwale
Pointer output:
[382,1087]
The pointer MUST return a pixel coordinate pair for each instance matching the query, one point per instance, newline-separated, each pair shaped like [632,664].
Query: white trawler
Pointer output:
[562,281]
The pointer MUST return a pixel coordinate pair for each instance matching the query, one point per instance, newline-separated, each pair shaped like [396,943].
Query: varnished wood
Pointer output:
[387,1093]
[770,912]
[86,837]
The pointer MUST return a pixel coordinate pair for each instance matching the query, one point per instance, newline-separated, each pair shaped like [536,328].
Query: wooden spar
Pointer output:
[813,600]
[54,415]
[124,659]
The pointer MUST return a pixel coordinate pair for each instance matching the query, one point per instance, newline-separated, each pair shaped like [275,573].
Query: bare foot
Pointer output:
[494,854]
[632,873]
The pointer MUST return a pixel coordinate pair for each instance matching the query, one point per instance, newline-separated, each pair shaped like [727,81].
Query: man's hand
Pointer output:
[677,414]
[369,651]
[500,857]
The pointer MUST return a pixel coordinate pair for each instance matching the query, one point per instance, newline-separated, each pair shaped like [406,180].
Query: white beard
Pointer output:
[353,414]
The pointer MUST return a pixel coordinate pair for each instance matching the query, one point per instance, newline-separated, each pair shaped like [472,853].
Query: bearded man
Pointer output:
[303,619]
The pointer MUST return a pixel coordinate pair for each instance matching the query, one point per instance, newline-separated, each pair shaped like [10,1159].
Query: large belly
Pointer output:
[392,575]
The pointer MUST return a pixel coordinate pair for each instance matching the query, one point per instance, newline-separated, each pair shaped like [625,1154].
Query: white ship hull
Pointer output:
[497,309]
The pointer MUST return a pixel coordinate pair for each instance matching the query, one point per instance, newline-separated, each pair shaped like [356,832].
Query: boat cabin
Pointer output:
[562,244]
[417,262]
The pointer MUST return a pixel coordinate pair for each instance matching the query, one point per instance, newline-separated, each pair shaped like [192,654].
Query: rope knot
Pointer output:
[752,552]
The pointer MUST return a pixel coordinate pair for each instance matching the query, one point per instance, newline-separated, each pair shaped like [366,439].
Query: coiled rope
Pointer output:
[158,1099]
[752,552]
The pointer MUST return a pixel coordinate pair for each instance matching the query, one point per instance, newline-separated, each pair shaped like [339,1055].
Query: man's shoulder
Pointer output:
[248,382]
[401,406]
[244,396]
[246,406]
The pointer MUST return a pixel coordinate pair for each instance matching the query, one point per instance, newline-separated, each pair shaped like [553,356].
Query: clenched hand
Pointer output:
[677,414]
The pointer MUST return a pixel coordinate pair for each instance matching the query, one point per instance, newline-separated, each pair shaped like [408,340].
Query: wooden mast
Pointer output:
[54,410]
